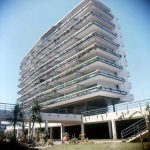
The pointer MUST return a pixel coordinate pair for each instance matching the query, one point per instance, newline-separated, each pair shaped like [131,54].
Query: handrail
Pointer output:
[126,106]
[95,112]
[78,80]
[81,93]
[6,106]
[133,129]
[90,61]
[62,111]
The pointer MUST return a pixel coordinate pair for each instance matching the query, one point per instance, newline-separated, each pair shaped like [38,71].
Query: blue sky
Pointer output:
[22,22]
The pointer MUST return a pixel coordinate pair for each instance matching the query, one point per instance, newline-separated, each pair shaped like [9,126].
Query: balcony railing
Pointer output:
[77,33]
[62,35]
[82,93]
[80,66]
[62,25]
[76,44]
[94,46]
[78,80]
[88,76]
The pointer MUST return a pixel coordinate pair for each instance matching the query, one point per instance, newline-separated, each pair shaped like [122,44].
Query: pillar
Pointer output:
[17,135]
[29,128]
[110,129]
[51,132]
[0,125]
[61,131]
[114,132]
[82,128]
[46,126]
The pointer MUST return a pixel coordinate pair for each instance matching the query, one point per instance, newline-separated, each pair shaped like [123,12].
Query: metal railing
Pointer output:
[133,129]
[122,107]
[78,32]
[95,112]
[6,109]
[86,63]
[82,93]
[62,111]
[6,106]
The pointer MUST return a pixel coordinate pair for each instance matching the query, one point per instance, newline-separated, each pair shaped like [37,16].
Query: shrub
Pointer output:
[50,142]
[14,145]
[82,137]
[65,137]
[74,140]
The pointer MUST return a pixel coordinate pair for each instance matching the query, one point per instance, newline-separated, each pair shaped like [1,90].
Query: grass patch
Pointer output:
[100,146]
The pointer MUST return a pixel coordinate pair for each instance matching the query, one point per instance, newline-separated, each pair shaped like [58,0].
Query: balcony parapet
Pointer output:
[82,93]
[78,80]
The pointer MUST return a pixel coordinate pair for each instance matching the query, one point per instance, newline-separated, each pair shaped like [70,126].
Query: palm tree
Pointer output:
[35,114]
[39,120]
[17,118]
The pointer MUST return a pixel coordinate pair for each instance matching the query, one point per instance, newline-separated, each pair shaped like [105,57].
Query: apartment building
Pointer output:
[79,64]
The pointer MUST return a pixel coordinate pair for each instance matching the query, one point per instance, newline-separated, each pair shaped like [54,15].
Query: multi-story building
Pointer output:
[78,64]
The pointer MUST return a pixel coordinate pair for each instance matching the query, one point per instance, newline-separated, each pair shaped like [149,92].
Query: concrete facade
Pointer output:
[78,64]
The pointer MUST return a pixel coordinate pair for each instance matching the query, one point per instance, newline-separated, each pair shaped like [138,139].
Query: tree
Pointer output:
[17,118]
[35,114]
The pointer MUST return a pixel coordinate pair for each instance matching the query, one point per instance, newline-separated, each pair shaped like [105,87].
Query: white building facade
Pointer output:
[79,64]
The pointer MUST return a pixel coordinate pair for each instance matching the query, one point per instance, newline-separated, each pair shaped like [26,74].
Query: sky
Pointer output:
[23,22]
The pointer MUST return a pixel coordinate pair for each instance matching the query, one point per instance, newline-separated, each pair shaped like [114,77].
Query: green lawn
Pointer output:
[100,146]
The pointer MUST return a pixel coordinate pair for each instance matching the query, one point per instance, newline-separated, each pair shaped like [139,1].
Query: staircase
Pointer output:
[135,131]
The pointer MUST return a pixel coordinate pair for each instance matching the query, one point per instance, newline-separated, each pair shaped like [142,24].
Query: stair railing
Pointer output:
[133,129]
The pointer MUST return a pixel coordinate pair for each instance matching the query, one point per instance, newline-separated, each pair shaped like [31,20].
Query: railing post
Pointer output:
[5,110]
[121,136]
[140,107]
[116,110]
[58,112]
[127,109]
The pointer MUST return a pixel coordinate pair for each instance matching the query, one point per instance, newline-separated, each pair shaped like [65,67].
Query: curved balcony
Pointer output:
[86,66]
[81,95]
[94,34]
[93,48]
[87,8]
[91,77]
[95,26]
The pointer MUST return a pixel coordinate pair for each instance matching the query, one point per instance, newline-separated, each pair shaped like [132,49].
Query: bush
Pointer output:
[65,137]
[74,141]
[50,142]
[2,136]
[14,145]
[45,136]
[82,137]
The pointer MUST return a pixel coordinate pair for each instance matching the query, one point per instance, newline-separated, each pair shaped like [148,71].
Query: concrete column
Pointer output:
[17,135]
[0,125]
[29,128]
[82,128]
[51,132]
[110,129]
[46,125]
[114,132]
[61,131]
